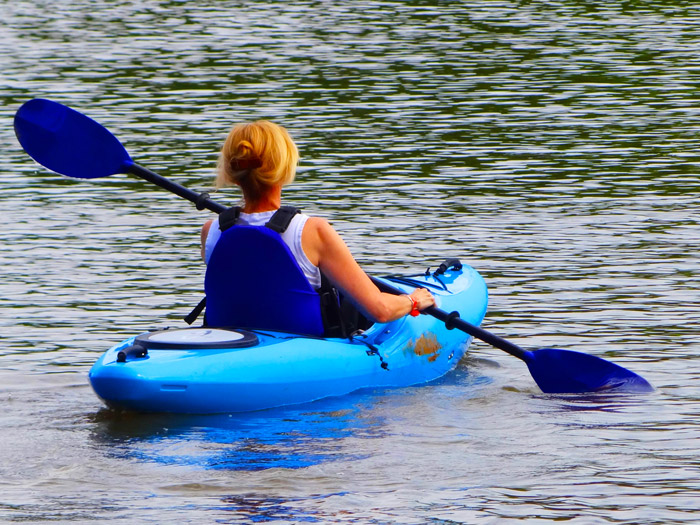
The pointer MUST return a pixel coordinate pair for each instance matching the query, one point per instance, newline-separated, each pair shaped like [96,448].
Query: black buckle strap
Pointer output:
[192,316]
[229,217]
[281,219]
[331,314]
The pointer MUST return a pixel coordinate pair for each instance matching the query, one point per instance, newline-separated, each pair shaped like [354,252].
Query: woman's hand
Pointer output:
[423,298]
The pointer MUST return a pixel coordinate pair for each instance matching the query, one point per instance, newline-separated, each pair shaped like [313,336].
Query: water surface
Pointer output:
[552,146]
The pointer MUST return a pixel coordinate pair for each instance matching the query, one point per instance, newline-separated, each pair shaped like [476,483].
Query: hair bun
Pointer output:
[245,164]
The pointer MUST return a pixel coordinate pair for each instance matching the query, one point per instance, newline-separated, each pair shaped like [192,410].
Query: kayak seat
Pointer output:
[253,281]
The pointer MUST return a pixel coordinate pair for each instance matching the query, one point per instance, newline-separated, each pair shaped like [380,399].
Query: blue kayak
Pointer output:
[213,370]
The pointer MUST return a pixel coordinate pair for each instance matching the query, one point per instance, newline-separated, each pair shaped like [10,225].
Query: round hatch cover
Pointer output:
[197,339]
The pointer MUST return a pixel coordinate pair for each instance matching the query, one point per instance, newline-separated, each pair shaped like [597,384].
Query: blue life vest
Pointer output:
[254,281]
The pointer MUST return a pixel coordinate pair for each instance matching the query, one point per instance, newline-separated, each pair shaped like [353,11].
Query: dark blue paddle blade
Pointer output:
[68,142]
[568,372]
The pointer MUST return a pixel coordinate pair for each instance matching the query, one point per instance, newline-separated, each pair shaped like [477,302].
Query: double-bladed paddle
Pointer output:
[72,144]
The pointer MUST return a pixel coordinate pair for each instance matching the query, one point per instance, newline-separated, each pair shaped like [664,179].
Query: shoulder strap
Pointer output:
[279,222]
[229,217]
[331,314]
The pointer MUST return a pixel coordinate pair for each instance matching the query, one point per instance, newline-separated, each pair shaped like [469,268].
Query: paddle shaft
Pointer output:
[201,200]
[454,321]
[479,333]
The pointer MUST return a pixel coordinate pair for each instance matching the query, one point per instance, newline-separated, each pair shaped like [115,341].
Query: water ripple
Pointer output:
[550,145]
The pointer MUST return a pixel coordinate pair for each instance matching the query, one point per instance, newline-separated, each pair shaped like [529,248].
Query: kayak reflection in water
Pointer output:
[260,157]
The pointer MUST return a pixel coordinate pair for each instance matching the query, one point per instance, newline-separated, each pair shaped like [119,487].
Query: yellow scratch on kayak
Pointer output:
[427,345]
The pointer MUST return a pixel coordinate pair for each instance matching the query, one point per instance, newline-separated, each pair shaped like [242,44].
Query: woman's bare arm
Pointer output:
[203,235]
[327,250]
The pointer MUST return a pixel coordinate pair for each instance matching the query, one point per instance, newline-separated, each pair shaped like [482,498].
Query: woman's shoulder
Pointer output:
[210,227]
[317,224]
[205,241]
[321,233]
[206,227]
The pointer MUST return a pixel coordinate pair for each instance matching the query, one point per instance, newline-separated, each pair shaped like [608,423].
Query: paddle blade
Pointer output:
[68,142]
[568,372]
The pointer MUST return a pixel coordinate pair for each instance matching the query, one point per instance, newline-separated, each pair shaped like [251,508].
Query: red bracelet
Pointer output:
[414,307]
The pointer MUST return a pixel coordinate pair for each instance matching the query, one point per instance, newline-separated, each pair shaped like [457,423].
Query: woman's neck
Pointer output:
[270,201]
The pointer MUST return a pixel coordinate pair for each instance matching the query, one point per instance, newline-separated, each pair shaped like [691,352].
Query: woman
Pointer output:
[261,158]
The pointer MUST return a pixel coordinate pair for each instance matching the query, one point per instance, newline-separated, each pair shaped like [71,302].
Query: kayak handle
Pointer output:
[131,351]
[449,263]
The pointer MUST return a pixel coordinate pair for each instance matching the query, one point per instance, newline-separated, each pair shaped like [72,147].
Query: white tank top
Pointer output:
[291,237]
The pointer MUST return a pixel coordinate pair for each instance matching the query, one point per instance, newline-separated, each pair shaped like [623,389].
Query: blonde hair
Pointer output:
[256,156]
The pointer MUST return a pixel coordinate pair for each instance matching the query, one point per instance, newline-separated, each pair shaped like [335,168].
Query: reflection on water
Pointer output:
[291,438]
[549,145]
